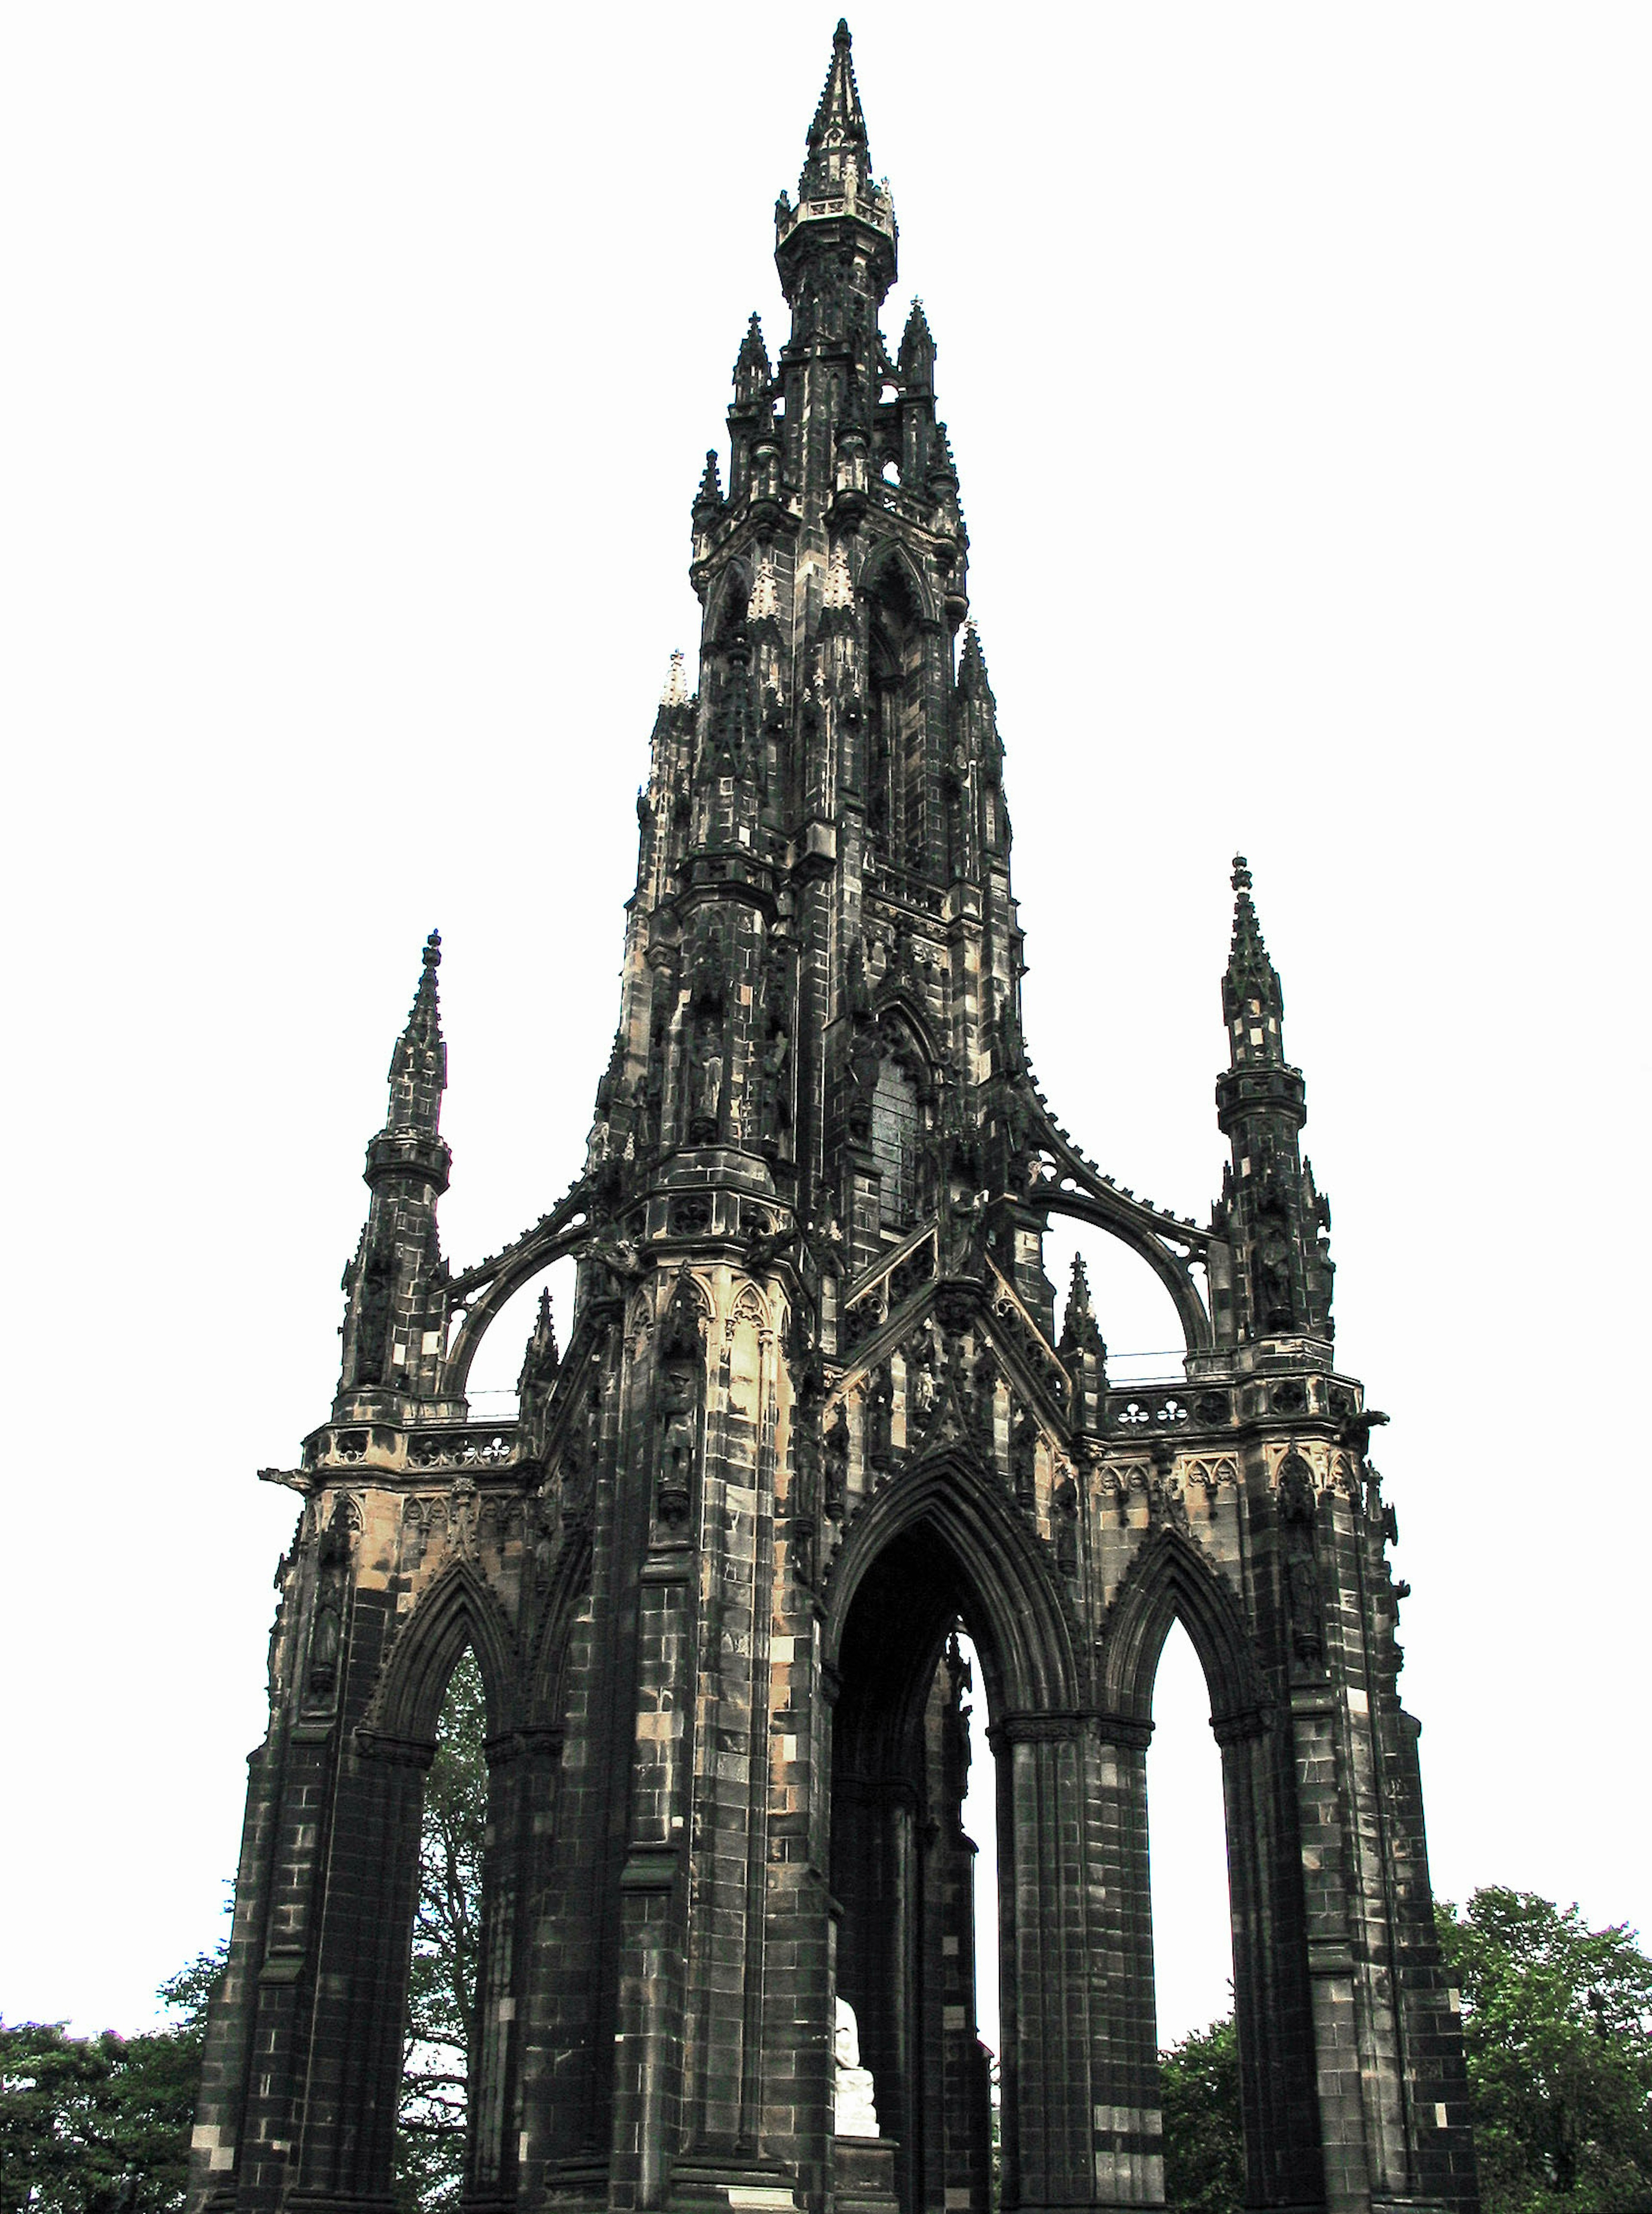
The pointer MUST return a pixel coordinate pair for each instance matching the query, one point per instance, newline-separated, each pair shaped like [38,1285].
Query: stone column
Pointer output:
[1045,1941]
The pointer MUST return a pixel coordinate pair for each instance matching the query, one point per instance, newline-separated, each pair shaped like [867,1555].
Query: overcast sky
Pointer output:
[360,363]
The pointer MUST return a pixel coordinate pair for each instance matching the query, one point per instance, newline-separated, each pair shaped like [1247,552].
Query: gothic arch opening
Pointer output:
[1192,1932]
[1144,1333]
[903,1873]
[494,1377]
[434,2119]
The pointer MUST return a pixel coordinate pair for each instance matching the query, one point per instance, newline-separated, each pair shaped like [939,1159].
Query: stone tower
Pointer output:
[817,1412]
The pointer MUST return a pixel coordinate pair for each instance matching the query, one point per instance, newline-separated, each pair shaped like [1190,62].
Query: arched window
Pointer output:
[895,1143]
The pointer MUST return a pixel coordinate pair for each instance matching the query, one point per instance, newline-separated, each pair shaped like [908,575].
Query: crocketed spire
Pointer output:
[1080,1333]
[840,123]
[418,1066]
[1252,1002]
[917,358]
[752,370]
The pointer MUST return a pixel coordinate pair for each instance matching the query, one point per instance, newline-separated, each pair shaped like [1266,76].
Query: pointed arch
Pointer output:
[457,1611]
[889,570]
[1003,1577]
[905,1030]
[1170,1580]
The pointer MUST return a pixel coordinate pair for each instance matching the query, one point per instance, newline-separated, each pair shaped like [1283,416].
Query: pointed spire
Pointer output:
[1252,1003]
[972,666]
[839,120]
[418,1066]
[675,693]
[708,500]
[917,361]
[542,1360]
[753,374]
[1080,1333]
[837,169]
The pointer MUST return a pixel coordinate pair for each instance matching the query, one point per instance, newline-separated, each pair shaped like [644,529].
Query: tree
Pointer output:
[1204,2140]
[446,1948]
[1557,2031]
[89,2125]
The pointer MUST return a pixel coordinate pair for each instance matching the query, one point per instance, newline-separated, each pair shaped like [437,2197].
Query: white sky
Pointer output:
[360,363]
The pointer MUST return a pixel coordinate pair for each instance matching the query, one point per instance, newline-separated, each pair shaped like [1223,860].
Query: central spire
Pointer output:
[840,123]
[836,194]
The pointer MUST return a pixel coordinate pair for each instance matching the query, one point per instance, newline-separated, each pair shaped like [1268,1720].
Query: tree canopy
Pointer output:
[1557,2030]
[93,2125]
[1204,2142]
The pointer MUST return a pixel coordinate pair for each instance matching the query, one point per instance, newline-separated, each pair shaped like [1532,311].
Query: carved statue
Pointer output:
[880,1401]
[677,1444]
[706,1085]
[373,1315]
[327,1624]
[1024,1457]
[854,2107]
[1064,1506]
[837,1463]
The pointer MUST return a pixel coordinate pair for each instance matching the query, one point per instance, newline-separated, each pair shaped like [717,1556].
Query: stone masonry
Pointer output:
[816,1412]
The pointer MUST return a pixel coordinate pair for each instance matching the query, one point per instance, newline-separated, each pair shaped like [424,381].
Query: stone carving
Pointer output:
[837,1463]
[880,1401]
[681,1355]
[1064,1515]
[1024,1457]
[332,1590]
[854,2107]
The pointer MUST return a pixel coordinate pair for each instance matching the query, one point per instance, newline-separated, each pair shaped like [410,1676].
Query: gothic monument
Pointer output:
[817,1410]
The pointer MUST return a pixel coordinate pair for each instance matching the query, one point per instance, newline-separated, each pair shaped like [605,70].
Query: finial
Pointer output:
[1241,873]
[432,956]
[676,693]
[841,36]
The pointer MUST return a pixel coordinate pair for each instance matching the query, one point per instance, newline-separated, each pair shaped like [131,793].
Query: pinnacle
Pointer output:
[675,691]
[1252,976]
[752,369]
[1247,930]
[419,1064]
[424,1019]
[711,482]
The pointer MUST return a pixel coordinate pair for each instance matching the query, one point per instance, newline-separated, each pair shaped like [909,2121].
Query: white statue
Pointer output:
[856,2116]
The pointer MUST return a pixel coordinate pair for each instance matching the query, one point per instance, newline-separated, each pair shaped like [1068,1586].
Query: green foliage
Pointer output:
[1204,2141]
[446,1948]
[89,2125]
[1558,2028]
